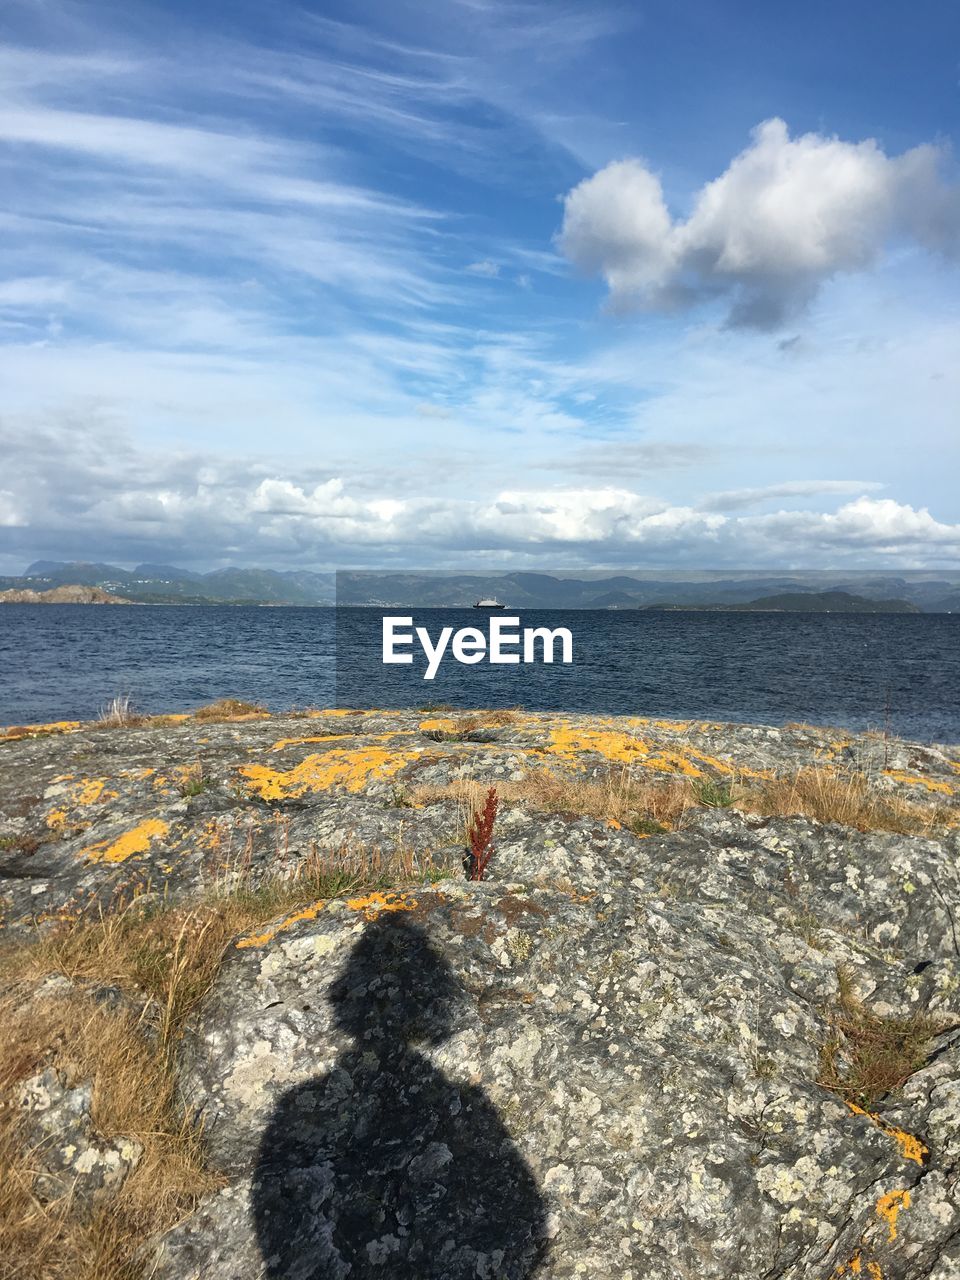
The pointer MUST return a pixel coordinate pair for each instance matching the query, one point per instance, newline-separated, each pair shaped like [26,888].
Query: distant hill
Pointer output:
[166,584]
[74,593]
[806,602]
[788,590]
[828,602]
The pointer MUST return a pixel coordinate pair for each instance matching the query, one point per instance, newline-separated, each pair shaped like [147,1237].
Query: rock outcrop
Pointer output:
[72,594]
[621,1055]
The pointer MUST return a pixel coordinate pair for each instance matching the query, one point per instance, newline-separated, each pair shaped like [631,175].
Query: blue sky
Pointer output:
[478,282]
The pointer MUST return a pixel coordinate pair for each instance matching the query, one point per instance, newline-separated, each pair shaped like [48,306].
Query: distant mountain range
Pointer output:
[928,592]
[803,602]
[166,584]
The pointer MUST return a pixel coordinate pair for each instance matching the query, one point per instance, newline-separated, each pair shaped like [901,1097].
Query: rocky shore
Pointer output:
[701,1018]
[71,594]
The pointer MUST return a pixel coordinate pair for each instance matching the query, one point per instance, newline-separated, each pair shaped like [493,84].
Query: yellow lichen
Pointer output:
[374,903]
[889,1207]
[914,780]
[911,1148]
[29,730]
[91,790]
[85,792]
[351,770]
[338,711]
[137,840]
[262,939]
[625,748]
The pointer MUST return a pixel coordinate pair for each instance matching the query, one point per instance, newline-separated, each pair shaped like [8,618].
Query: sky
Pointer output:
[464,283]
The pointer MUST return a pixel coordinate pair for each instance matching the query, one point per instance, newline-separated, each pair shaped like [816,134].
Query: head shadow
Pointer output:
[396,987]
[383,1165]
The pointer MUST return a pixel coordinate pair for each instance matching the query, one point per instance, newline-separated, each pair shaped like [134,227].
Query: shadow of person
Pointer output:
[383,1167]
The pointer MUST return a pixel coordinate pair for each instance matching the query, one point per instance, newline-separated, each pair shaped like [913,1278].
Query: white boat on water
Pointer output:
[489,602]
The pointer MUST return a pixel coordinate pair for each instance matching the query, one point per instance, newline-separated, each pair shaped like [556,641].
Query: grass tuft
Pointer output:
[848,798]
[229,709]
[868,1056]
[119,713]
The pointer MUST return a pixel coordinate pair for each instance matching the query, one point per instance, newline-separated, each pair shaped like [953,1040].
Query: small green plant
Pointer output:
[641,824]
[399,799]
[714,793]
[20,844]
[195,781]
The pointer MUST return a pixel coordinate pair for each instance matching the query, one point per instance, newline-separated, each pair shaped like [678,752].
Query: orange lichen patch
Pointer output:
[914,780]
[624,748]
[335,711]
[570,743]
[31,730]
[137,840]
[85,792]
[210,838]
[911,1148]
[262,939]
[440,725]
[91,790]
[374,903]
[859,1266]
[889,1207]
[338,768]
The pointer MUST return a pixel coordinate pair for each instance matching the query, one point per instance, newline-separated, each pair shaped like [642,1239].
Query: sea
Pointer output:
[894,672]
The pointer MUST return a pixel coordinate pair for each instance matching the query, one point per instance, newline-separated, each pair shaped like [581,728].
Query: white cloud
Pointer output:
[735,499]
[485,268]
[87,491]
[785,216]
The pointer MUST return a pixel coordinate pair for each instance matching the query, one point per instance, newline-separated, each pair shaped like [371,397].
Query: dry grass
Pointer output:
[646,806]
[868,1056]
[166,958]
[119,713]
[133,1095]
[847,798]
[229,709]
[472,724]
[616,796]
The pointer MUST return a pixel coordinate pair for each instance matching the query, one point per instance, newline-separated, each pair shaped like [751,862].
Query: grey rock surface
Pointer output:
[607,1060]
[648,1039]
[72,1158]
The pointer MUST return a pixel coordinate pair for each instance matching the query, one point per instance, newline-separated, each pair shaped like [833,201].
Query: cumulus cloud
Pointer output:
[86,491]
[785,216]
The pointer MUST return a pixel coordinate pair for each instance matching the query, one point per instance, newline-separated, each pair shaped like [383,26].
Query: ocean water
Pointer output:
[900,672]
